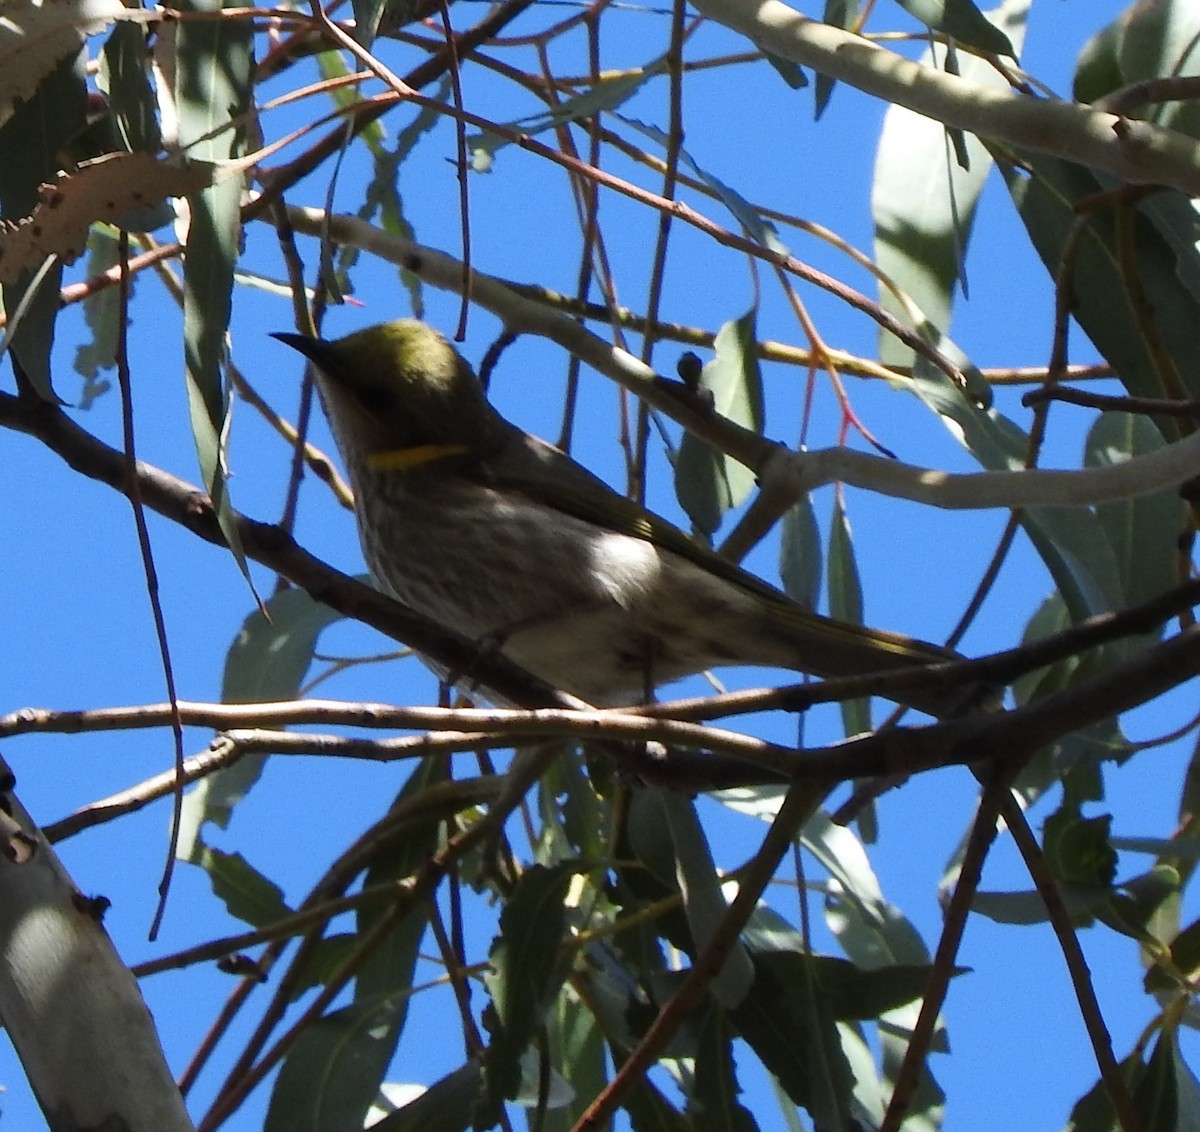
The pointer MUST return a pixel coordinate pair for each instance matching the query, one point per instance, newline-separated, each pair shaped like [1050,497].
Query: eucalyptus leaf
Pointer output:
[962,20]
[707,481]
[924,195]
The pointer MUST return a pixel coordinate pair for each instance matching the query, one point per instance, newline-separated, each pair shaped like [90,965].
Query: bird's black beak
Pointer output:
[316,350]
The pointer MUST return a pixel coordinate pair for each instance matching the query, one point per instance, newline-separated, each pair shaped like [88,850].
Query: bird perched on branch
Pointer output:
[505,539]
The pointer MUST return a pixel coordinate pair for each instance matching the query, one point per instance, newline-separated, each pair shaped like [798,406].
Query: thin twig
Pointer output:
[133,491]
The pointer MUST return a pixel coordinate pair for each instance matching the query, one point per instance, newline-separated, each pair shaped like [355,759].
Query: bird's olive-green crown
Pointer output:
[399,384]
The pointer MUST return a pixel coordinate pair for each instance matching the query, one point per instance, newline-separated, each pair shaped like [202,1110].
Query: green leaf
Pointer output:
[1098,70]
[334,1063]
[446,1106]
[123,77]
[1167,1097]
[650,1111]
[1047,192]
[839,14]
[787,1021]
[1162,40]
[1176,848]
[703,899]
[871,930]
[246,893]
[923,198]
[101,311]
[367,14]
[212,87]
[1143,532]
[846,604]
[1135,906]
[1165,1092]
[526,973]
[382,199]
[707,482]
[1185,955]
[574,814]
[271,654]
[1077,848]
[391,966]
[1093,1112]
[1027,907]
[800,554]
[713,1101]
[791,73]
[605,94]
[266,662]
[1070,541]
[575,1041]
[962,20]
[756,226]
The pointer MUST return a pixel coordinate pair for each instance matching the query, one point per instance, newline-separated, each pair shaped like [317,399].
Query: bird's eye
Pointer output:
[373,399]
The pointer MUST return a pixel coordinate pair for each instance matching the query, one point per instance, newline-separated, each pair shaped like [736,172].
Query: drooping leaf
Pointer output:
[1047,192]
[839,14]
[800,554]
[35,38]
[703,899]
[101,312]
[715,1090]
[334,1063]
[267,661]
[1167,1097]
[1070,541]
[446,1106]
[247,894]
[1143,532]
[846,604]
[131,100]
[606,94]
[758,227]
[787,1021]
[212,88]
[707,482]
[924,195]
[271,654]
[1162,40]
[526,973]
[962,20]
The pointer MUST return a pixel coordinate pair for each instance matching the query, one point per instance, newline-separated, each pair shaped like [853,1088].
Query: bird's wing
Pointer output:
[546,474]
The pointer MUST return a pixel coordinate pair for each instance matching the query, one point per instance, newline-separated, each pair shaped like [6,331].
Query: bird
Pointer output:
[503,538]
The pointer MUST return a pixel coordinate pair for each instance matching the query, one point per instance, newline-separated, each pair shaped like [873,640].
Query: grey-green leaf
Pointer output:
[1143,532]
[846,604]
[962,20]
[800,556]
[707,482]
[923,197]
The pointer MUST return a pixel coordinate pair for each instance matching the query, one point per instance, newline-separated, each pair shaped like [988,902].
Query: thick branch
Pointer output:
[1135,151]
[70,1005]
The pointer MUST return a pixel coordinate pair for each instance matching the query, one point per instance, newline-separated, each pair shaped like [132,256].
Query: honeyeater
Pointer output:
[505,539]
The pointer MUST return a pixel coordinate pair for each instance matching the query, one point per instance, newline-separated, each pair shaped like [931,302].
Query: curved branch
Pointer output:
[793,472]
[1135,151]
